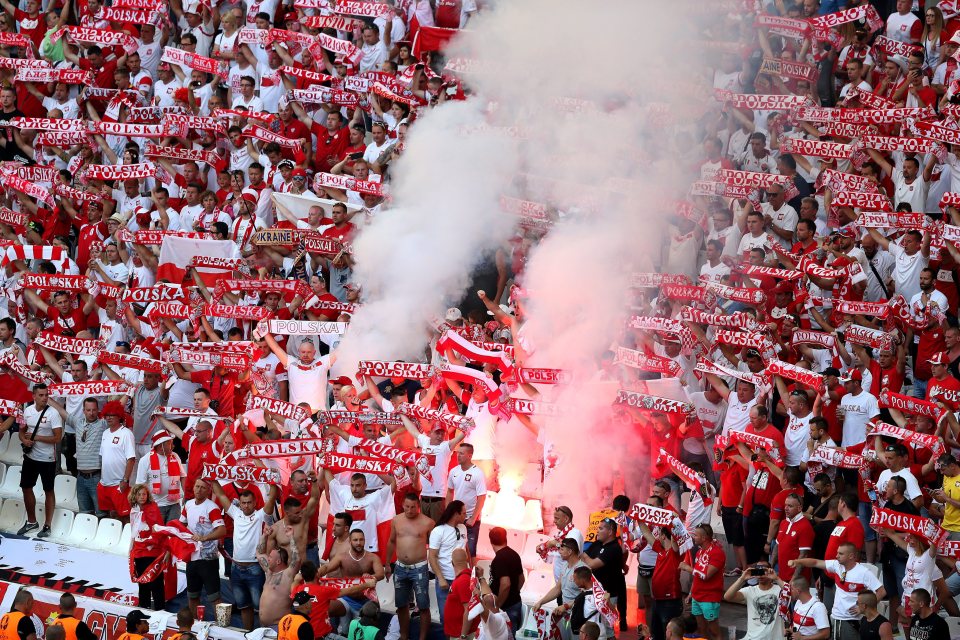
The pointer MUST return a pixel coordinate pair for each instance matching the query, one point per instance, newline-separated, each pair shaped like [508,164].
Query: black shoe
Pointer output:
[27,528]
[45,532]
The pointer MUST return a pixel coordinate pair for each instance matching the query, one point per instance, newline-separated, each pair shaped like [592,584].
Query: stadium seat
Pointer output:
[685,501]
[516,539]
[538,583]
[3,472]
[11,483]
[529,551]
[484,550]
[122,548]
[12,515]
[65,486]
[485,565]
[953,623]
[532,516]
[11,451]
[108,535]
[874,568]
[489,506]
[62,525]
[83,532]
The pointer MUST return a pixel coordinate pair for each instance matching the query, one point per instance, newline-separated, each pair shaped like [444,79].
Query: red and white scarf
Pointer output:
[911,405]
[472,377]
[917,525]
[685,473]
[195,61]
[558,536]
[130,361]
[449,420]
[754,297]
[279,407]
[385,369]
[816,148]
[755,442]
[789,371]
[176,153]
[859,308]
[120,171]
[155,476]
[925,440]
[259,133]
[873,338]
[102,37]
[643,362]
[240,473]
[288,448]
[789,69]
[97,388]
[300,327]
[737,320]
[66,344]
[653,403]
[340,462]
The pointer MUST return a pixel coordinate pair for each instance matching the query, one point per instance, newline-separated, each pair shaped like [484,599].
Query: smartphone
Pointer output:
[356,156]
[757,571]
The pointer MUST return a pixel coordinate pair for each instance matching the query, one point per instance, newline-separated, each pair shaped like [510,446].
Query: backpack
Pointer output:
[576,613]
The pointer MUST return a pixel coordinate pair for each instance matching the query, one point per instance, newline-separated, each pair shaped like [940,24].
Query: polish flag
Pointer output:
[176,253]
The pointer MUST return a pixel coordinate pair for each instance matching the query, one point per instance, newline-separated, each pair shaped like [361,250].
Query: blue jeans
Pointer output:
[87,493]
[247,584]
[919,388]
[411,581]
[473,534]
[441,598]
[864,510]
[515,613]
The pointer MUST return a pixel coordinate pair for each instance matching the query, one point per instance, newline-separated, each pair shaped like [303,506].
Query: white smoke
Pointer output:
[595,93]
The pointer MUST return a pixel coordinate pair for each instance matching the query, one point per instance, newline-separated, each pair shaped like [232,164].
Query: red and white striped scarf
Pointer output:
[155,476]
[558,536]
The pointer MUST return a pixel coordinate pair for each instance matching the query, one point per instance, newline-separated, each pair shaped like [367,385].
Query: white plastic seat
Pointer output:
[529,553]
[107,536]
[65,486]
[685,501]
[489,506]
[12,452]
[122,548]
[84,530]
[3,472]
[532,516]
[12,515]
[11,483]
[62,525]
[537,584]
[484,548]
[953,623]
[874,568]
[516,539]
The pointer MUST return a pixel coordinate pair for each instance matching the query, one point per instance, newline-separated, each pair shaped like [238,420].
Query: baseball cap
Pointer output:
[940,358]
[286,163]
[136,616]
[453,314]
[342,380]
[290,16]
[302,598]
[853,375]
[299,173]
[845,232]
[164,66]
[783,287]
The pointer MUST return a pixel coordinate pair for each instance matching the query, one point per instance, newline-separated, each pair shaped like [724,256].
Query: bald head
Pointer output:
[459,560]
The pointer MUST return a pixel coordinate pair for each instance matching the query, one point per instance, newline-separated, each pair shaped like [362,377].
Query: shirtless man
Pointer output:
[354,562]
[342,523]
[280,566]
[408,537]
[295,522]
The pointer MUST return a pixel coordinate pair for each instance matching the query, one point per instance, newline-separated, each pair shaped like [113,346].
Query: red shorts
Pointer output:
[111,499]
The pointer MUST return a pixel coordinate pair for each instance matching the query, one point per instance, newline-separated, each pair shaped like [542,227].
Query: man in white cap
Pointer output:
[246,223]
[163,474]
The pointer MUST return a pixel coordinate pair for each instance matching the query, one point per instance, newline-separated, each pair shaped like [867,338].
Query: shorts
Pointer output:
[247,583]
[709,611]
[110,499]
[644,578]
[45,471]
[412,580]
[353,604]
[203,575]
[732,525]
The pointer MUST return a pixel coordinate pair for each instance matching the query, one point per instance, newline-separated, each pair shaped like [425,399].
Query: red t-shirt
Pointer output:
[221,389]
[457,602]
[946,391]
[732,479]
[13,388]
[891,380]
[329,151]
[198,454]
[320,612]
[849,530]
[931,342]
[776,507]
[792,538]
[34,28]
[764,485]
[103,77]
[88,235]
[665,583]
[69,325]
[708,589]
[343,233]
[829,413]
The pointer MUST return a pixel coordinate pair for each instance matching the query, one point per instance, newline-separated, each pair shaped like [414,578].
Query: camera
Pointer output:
[758,571]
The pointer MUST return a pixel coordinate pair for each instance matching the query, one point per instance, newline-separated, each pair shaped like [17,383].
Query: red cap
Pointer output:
[853,375]
[783,287]
[299,172]
[342,380]
[249,196]
[940,358]
[291,17]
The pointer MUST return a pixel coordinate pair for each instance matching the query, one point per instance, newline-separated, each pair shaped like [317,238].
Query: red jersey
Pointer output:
[198,454]
[708,589]
[329,150]
[793,538]
[69,325]
[931,342]
[890,380]
[320,612]
[665,583]
[221,389]
[341,233]
[732,479]
[849,530]
[946,391]
[764,485]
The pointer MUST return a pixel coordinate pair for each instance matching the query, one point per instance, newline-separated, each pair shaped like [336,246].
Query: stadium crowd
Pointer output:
[182,186]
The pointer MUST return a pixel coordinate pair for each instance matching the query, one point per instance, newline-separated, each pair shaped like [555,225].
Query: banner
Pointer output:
[300,327]
[240,473]
[279,407]
[287,448]
[382,369]
[917,525]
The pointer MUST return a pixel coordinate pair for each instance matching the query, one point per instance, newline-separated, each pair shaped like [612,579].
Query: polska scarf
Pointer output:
[155,476]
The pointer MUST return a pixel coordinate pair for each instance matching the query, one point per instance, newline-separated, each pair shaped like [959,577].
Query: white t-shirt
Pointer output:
[714,274]
[899,26]
[497,627]
[786,218]
[246,532]
[915,193]
[913,487]
[367,512]
[202,519]
[906,270]
[795,438]
[467,486]
[810,617]
[738,414]
[854,581]
[858,410]
[922,571]
[439,458]
[41,451]
[482,436]
[163,472]
[748,243]
[116,448]
[763,623]
[444,539]
[308,382]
